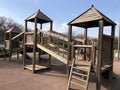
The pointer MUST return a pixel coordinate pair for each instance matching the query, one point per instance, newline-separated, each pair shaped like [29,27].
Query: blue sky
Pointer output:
[60,11]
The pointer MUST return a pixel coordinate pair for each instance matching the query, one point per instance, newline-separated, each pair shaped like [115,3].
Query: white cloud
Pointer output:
[61,28]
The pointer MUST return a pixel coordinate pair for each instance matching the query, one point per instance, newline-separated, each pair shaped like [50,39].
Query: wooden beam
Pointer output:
[69,48]
[40,36]
[112,53]
[34,45]
[51,29]
[100,47]
[10,46]
[5,46]
[24,48]
[85,37]
[18,35]
[52,53]
[51,26]
[83,46]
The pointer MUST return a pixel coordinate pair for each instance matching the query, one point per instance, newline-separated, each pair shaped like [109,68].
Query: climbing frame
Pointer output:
[104,58]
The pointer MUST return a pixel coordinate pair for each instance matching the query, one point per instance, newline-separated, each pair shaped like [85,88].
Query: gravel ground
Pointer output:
[14,77]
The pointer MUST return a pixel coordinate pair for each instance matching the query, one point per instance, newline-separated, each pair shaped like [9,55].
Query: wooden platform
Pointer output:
[37,67]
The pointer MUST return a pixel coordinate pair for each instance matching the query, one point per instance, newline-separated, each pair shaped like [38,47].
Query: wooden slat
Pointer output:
[82,68]
[80,74]
[79,79]
[52,53]
[83,46]
[29,44]
[83,63]
[54,35]
[78,84]
[29,32]
[17,50]
[88,76]
[37,67]
[18,35]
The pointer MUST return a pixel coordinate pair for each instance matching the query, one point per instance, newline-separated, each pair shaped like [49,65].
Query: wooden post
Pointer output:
[24,48]
[69,48]
[51,26]
[100,46]
[119,43]
[34,45]
[40,35]
[5,45]
[112,53]
[85,37]
[10,47]
[51,29]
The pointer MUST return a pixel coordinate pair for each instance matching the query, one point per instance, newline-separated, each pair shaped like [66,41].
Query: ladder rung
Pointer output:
[79,79]
[83,63]
[29,44]
[79,74]
[81,68]
[78,84]
[29,32]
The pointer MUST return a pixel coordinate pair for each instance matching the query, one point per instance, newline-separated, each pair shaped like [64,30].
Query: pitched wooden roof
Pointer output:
[42,18]
[90,19]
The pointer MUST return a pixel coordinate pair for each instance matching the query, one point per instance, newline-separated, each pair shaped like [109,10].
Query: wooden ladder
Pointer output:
[79,74]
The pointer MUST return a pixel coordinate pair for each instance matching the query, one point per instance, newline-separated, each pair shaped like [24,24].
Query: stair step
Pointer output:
[78,84]
[83,62]
[83,68]
[79,79]
[80,74]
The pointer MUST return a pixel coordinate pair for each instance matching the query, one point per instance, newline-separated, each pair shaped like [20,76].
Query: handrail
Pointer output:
[17,35]
[83,46]
[54,35]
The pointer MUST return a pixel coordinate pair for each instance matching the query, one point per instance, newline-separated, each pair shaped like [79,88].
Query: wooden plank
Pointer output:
[112,52]
[82,68]
[54,35]
[79,79]
[17,50]
[52,53]
[34,44]
[78,84]
[29,32]
[83,46]
[88,75]
[70,75]
[37,67]
[90,15]
[80,74]
[69,49]
[18,35]
[100,46]
[29,44]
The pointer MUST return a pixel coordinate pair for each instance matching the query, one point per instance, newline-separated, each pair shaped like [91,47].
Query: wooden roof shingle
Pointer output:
[42,18]
[90,18]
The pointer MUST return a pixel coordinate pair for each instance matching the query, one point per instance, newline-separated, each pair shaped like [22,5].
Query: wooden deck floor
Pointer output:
[14,77]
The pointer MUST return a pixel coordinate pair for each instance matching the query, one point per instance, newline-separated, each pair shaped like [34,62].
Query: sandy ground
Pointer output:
[14,77]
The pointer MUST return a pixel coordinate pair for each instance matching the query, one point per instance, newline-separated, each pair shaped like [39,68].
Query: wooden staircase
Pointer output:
[79,74]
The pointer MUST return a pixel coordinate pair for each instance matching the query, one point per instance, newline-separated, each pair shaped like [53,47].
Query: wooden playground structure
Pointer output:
[94,58]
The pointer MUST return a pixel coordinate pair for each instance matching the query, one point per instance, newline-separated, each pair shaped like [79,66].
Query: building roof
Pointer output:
[90,18]
[42,18]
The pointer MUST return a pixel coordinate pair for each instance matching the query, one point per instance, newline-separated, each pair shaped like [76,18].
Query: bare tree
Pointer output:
[6,24]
